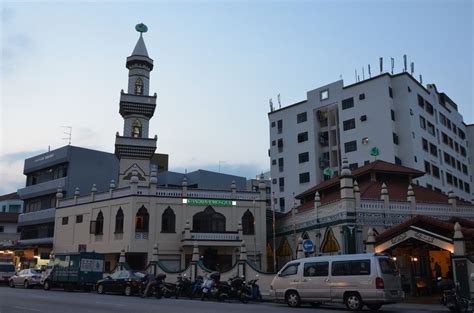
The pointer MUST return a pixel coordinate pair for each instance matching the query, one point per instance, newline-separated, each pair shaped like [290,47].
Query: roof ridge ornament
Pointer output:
[141,28]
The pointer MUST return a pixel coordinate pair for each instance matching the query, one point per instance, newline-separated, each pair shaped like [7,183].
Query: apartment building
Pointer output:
[387,117]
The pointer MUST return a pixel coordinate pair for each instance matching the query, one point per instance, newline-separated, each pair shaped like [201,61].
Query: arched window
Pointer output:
[141,220]
[119,222]
[168,221]
[248,223]
[139,86]
[99,224]
[137,129]
[208,221]
[330,244]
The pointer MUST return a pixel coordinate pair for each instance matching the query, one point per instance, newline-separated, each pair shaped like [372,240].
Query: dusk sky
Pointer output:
[217,63]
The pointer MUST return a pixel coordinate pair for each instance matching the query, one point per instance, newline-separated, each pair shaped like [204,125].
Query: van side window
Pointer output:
[316,269]
[348,268]
[291,269]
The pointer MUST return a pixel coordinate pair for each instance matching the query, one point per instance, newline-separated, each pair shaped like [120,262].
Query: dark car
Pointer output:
[126,282]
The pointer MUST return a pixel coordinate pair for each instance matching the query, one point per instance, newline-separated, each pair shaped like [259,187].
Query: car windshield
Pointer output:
[7,268]
[34,272]
[387,266]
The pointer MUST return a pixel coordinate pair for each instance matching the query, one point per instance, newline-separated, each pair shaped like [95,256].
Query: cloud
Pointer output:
[11,170]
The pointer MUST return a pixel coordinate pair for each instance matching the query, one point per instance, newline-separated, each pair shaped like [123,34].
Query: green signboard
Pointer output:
[209,202]
[328,171]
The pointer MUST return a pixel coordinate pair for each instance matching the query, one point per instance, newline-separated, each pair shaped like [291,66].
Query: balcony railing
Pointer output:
[224,236]
[42,188]
[42,216]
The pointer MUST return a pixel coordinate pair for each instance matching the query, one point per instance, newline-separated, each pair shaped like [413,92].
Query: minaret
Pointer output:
[134,149]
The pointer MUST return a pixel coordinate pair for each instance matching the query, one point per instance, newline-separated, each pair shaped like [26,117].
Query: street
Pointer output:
[19,300]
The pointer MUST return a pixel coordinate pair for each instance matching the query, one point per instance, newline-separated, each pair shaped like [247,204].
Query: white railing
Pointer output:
[215,236]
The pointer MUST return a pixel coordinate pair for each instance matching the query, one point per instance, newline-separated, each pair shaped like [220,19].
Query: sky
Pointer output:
[217,63]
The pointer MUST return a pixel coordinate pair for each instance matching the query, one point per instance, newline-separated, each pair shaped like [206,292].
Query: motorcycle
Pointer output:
[184,287]
[255,290]
[456,302]
[196,288]
[155,289]
[212,287]
[237,289]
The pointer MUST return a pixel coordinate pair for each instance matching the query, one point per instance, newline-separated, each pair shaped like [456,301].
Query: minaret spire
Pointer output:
[134,148]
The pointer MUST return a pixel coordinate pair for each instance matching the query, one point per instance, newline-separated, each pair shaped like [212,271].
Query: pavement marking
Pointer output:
[26,308]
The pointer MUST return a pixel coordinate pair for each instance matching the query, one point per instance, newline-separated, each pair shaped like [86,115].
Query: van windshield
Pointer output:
[387,266]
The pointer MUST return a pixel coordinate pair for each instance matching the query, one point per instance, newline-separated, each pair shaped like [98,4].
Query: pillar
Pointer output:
[194,261]
[93,192]
[59,195]
[111,188]
[299,249]
[153,181]
[370,242]
[356,194]
[411,198]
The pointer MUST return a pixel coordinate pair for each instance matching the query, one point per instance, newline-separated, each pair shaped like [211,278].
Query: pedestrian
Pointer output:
[437,270]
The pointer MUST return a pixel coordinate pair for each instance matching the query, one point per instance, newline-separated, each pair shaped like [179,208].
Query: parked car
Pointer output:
[28,278]
[7,270]
[356,280]
[126,282]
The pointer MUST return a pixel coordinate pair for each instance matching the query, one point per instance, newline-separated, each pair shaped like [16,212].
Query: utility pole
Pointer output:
[274,237]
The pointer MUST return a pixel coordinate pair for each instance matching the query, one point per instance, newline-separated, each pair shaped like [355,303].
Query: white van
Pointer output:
[356,280]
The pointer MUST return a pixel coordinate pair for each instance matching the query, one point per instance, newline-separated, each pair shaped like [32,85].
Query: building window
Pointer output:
[209,221]
[303,157]
[390,92]
[398,161]
[363,118]
[461,134]
[427,167]
[78,219]
[274,181]
[353,166]
[429,108]
[409,89]
[99,224]
[168,221]
[248,223]
[430,128]
[65,220]
[347,103]
[392,114]
[350,146]
[119,221]
[433,150]
[139,86]
[137,129]
[467,188]
[362,96]
[304,178]
[2,229]
[281,165]
[395,138]
[464,169]
[302,137]
[435,171]
[142,220]
[421,101]
[280,145]
[324,95]
[349,124]
[365,140]
[282,204]
[274,162]
[422,122]
[302,117]
[449,178]
[274,142]
[280,126]
[281,183]
[273,124]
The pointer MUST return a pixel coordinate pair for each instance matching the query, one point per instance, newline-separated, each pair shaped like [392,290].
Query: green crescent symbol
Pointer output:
[328,171]
[374,151]
[141,28]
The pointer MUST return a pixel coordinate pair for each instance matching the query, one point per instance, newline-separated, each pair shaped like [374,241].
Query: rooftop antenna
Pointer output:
[358,78]
[393,64]
[49,148]
[68,133]
[370,74]
[421,79]
[404,62]
[412,68]
[381,65]
[355,74]
[363,73]
[271,105]
[279,102]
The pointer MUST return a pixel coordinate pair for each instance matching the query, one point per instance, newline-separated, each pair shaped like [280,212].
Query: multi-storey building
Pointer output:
[10,206]
[387,117]
[71,168]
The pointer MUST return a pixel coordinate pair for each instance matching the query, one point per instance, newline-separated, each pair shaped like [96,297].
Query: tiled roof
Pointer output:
[376,166]
[426,222]
[10,196]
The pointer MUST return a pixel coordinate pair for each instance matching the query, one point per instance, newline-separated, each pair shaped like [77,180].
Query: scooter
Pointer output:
[457,303]
[255,290]
[196,289]
[212,287]
[184,287]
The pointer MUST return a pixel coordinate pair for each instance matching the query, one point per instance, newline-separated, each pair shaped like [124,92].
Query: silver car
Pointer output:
[27,278]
